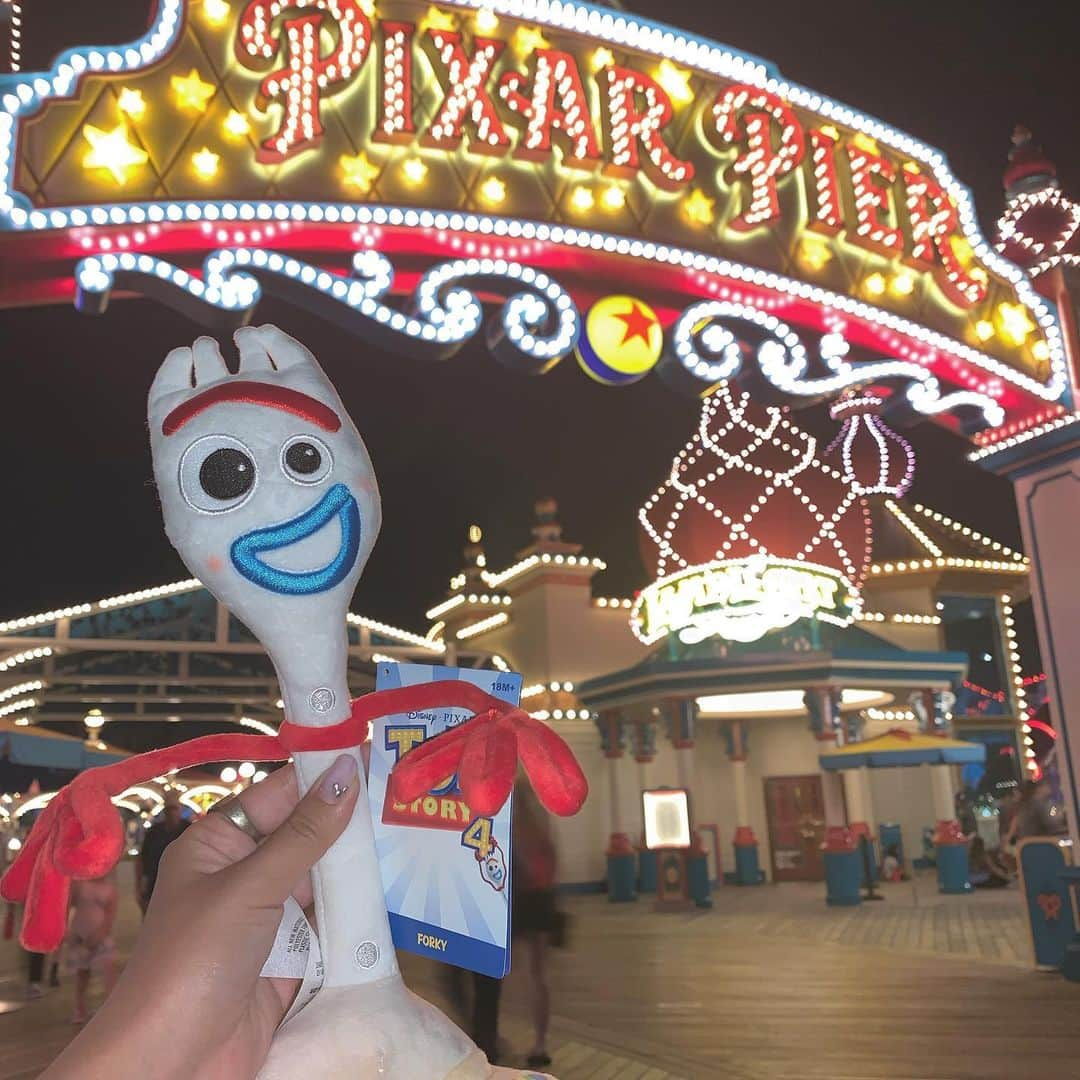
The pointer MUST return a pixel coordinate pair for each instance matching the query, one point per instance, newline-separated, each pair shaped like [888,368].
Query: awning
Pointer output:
[899,747]
[53,750]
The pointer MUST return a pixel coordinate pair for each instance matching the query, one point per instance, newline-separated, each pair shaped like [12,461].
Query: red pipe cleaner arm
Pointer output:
[484,752]
[80,833]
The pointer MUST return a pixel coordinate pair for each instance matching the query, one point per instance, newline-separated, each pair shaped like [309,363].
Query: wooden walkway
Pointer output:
[770,984]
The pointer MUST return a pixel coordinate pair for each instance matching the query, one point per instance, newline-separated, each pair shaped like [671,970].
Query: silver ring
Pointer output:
[233,809]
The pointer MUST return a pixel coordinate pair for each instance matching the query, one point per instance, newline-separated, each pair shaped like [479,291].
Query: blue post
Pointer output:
[843,868]
[646,870]
[621,870]
[747,869]
[697,877]
[951,849]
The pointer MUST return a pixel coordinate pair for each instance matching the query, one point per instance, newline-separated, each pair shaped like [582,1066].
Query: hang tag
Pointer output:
[296,954]
[445,871]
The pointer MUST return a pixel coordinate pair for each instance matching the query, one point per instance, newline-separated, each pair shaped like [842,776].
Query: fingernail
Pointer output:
[338,779]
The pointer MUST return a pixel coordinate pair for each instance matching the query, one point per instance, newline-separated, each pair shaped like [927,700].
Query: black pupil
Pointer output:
[303,458]
[227,474]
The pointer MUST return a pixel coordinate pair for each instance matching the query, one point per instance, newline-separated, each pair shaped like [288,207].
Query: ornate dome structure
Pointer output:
[750,482]
[870,455]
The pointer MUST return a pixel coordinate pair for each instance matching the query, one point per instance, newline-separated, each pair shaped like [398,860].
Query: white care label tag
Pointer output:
[295,955]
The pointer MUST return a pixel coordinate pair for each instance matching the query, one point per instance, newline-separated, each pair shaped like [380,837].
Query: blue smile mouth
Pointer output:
[245,550]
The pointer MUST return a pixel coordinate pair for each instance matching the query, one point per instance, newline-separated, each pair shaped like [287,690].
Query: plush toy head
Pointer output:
[268,495]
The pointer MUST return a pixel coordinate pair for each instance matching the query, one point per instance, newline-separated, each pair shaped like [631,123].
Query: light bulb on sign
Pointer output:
[415,170]
[581,199]
[229,775]
[206,162]
[131,102]
[493,190]
[216,11]
[487,22]
[236,123]
[246,770]
[259,777]
[613,198]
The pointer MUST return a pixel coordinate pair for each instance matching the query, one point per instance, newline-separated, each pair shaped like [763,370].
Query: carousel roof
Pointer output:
[901,747]
[807,653]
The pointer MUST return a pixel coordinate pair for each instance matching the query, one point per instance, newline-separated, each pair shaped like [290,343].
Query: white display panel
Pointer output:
[667,818]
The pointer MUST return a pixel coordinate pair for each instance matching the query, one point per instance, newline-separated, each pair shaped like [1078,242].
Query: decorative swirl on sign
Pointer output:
[704,352]
[536,326]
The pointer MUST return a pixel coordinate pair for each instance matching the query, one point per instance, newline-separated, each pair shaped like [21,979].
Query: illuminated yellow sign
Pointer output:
[554,116]
[740,600]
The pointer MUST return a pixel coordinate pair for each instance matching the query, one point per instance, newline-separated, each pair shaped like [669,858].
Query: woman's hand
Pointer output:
[190,1002]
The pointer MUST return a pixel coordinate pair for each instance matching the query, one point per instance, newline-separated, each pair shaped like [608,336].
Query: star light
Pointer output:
[527,39]
[601,58]
[903,284]
[415,170]
[487,22]
[192,91]
[111,150]
[206,163]
[236,123]
[814,251]
[438,20]
[875,284]
[1014,323]
[216,11]
[675,81]
[984,330]
[357,171]
[582,199]
[493,190]
[131,102]
[614,198]
[699,208]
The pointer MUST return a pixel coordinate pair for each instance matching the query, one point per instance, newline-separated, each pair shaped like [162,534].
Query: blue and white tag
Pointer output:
[445,871]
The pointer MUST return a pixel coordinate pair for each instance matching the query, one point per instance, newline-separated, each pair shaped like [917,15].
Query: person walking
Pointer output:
[536,918]
[158,837]
[89,944]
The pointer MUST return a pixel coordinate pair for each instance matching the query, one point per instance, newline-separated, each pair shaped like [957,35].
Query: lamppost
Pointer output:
[94,721]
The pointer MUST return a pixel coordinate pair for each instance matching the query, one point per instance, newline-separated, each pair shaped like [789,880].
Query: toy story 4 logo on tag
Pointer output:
[444,808]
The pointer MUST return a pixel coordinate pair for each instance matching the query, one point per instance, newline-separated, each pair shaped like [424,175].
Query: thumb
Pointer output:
[271,871]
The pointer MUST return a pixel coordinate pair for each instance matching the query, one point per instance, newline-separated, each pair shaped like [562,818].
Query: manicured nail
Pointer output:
[337,780]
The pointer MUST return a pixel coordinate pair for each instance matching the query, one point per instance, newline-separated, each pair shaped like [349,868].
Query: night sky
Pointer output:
[468,441]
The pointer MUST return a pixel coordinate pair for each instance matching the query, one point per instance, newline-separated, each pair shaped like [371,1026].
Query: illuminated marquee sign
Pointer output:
[345,152]
[741,600]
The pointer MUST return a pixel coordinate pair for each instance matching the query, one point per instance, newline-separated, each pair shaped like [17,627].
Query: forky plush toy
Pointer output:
[269,496]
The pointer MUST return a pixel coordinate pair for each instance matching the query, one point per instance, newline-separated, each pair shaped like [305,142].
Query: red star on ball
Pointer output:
[638,324]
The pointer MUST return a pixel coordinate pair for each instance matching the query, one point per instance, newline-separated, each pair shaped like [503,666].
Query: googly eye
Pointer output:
[217,474]
[306,460]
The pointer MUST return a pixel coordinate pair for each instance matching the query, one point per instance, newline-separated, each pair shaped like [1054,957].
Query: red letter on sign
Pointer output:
[828,215]
[307,74]
[933,219]
[464,81]
[636,111]
[871,178]
[395,122]
[759,111]
[556,106]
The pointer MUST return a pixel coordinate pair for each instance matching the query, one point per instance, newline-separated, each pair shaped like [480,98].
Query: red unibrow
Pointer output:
[253,393]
